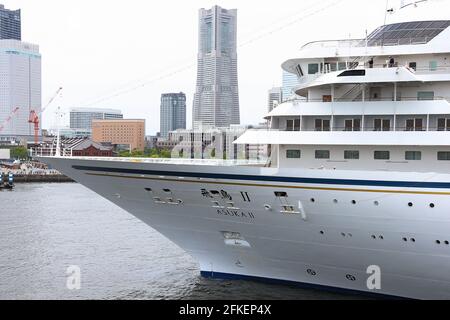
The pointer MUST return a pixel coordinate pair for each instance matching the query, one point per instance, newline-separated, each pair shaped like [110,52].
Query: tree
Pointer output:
[19,153]
[165,154]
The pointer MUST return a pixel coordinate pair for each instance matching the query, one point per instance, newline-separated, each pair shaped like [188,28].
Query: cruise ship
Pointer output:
[357,187]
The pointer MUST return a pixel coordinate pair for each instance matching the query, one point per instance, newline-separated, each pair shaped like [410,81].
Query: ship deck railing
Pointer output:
[180,161]
[369,99]
[353,43]
[172,161]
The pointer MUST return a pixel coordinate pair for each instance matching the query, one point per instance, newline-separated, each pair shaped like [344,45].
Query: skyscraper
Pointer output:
[10,24]
[290,81]
[275,98]
[173,113]
[20,86]
[216,102]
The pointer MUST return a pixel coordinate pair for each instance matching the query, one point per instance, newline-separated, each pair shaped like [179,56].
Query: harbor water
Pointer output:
[47,228]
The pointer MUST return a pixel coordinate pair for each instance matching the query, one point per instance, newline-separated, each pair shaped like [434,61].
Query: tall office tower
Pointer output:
[10,24]
[81,118]
[275,98]
[216,102]
[173,113]
[290,81]
[20,87]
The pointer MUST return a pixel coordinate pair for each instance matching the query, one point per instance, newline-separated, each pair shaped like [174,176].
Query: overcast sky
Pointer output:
[97,48]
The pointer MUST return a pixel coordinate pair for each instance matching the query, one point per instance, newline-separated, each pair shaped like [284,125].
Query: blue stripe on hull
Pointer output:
[204,175]
[229,276]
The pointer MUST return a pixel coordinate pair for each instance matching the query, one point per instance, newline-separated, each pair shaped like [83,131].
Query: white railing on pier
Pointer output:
[50,152]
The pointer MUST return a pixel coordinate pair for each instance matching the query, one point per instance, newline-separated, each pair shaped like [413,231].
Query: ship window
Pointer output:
[382,155]
[342,66]
[313,68]
[333,67]
[443,124]
[293,154]
[322,154]
[327,98]
[351,155]
[444,156]
[414,124]
[413,155]
[353,125]
[425,95]
[293,125]
[382,125]
[322,125]
[353,73]
[413,65]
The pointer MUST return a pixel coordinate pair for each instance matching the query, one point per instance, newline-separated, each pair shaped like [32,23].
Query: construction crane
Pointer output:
[35,117]
[11,115]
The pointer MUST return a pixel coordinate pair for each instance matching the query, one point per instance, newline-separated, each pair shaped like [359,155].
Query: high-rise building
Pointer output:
[20,87]
[275,98]
[216,101]
[173,113]
[81,118]
[10,24]
[123,133]
[290,81]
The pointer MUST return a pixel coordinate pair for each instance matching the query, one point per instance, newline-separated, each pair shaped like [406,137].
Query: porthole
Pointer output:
[313,200]
[447,243]
[353,201]
[343,234]
[381,238]
[374,237]
[148,189]
[432,205]
[413,240]
[438,242]
[311,272]
[376,203]
[335,201]
[405,239]
[350,277]
[410,204]
[322,232]
[350,235]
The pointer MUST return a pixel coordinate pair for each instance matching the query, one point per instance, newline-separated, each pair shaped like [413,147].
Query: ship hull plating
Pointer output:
[325,229]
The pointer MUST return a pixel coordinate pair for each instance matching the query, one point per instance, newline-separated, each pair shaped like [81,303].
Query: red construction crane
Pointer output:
[35,119]
[11,115]
[34,116]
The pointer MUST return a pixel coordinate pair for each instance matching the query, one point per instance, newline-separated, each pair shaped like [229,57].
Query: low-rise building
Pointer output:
[128,132]
[89,148]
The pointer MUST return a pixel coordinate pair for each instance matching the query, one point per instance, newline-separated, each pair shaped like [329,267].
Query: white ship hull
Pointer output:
[357,219]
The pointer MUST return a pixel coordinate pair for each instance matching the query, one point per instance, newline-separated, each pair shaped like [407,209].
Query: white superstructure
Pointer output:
[359,176]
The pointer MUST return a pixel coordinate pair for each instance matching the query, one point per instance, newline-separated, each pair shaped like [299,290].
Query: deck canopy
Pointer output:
[368,108]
